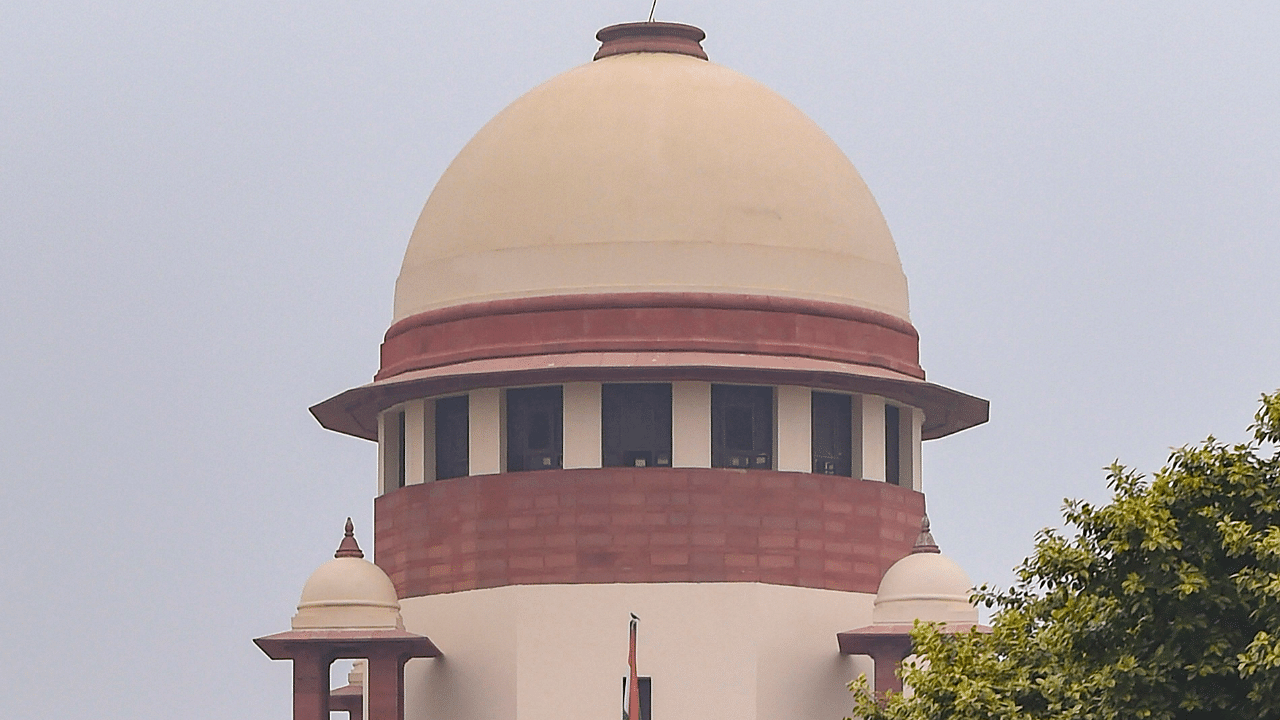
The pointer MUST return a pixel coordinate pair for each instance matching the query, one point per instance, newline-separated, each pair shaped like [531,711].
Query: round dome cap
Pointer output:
[655,171]
[348,592]
[925,585]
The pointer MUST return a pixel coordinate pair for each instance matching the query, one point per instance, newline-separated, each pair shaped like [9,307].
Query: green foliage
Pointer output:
[1164,604]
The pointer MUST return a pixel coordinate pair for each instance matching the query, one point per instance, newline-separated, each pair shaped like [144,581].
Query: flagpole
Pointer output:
[633,681]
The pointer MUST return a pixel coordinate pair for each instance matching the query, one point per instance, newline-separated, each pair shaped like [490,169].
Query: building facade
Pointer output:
[651,354]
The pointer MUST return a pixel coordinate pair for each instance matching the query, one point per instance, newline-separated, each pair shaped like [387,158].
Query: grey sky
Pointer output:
[203,207]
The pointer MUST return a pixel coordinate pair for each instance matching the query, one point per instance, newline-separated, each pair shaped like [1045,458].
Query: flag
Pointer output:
[632,711]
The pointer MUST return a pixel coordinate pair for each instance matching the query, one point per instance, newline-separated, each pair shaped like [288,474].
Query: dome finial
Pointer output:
[349,546]
[651,37]
[924,541]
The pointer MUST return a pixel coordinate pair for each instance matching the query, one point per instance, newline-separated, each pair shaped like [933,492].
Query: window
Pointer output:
[635,423]
[452,437]
[646,697]
[832,417]
[535,428]
[892,444]
[394,456]
[741,426]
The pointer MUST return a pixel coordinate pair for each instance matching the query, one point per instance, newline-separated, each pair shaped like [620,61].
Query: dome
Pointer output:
[925,585]
[650,216]
[653,172]
[348,592]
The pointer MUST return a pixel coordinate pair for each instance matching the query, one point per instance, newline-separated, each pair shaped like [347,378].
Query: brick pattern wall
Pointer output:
[643,525]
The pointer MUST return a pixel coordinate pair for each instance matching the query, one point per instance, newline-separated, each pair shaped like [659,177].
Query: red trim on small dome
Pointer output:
[653,37]
[349,547]
[925,542]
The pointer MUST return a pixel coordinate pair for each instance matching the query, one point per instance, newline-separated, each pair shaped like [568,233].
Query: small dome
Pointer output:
[651,172]
[348,592]
[925,585]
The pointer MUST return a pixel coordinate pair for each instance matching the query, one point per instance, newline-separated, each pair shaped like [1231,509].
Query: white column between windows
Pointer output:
[872,435]
[414,441]
[484,436]
[691,424]
[793,429]
[582,425]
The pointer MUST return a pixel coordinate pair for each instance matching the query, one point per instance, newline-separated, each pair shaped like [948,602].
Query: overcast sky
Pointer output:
[204,205]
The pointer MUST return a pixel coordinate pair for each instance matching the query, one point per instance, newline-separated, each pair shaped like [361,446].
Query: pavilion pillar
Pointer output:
[887,645]
[311,685]
[385,680]
[886,678]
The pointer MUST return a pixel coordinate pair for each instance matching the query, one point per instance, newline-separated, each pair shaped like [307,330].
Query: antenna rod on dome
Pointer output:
[652,8]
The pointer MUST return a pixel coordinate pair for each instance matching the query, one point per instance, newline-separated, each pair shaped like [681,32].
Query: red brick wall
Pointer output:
[643,525]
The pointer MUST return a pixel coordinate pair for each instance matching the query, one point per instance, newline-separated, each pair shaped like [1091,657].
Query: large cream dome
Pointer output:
[650,172]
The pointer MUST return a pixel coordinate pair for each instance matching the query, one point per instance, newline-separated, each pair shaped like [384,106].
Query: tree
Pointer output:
[1162,604]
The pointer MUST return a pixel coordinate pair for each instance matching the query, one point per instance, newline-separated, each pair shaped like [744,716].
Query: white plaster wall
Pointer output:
[794,429]
[715,651]
[582,425]
[476,677]
[691,424]
[800,673]
[872,451]
[484,431]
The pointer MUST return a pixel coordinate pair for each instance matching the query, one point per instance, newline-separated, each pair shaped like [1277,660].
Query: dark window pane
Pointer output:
[741,426]
[401,458]
[832,417]
[539,430]
[452,437]
[535,422]
[635,423]
[892,445]
[738,429]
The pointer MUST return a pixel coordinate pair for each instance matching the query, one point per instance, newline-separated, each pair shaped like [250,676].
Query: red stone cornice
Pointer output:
[651,322]
[355,411]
